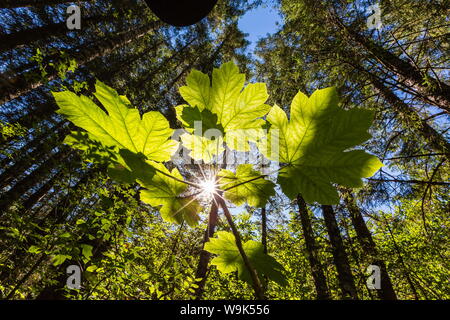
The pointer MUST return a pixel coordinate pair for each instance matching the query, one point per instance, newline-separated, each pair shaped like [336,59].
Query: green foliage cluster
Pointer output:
[310,149]
[122,205]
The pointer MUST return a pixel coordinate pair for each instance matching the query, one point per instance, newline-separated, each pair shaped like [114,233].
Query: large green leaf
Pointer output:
[161,187]
[239,111]
[205,118]
[122,126]
[203,148]
[229,259]
[134,167]
[162,190]
[313,144]
[246,185]
[93,150]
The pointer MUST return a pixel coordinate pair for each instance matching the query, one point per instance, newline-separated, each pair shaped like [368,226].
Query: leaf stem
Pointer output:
[255,279]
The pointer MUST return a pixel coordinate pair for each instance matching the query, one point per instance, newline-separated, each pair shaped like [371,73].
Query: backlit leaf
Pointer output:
[122,125]
[166,192]
[314,142]
[229,259]
[246,186]
[238,110]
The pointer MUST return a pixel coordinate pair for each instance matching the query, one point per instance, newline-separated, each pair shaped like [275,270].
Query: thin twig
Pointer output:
[436,183]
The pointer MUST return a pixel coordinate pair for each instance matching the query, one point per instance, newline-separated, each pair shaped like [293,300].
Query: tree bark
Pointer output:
[437,92]
[38,113]
[402,262]
[18,39]
[318,274]
[36,196]
[26,159]
[412,119]
[31,3]
[345,276]
[20,187]
[264,229]
[163,65]
[60,210]
[264,243]
[21,84]
[117,68]
[366,241]
[205,256]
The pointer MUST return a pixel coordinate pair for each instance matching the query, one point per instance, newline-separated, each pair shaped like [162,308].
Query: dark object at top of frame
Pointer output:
[181,13]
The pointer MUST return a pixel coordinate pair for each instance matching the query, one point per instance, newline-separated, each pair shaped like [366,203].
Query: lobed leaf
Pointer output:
[238,111]
[122,125]
[313,144]
[161,190]
[229,259]
[246,185]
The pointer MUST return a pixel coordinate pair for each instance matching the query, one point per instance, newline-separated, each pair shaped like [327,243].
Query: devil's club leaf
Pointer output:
[122,127]
[197,91]
[205,118]
[166,192]
[229,259]
[246,185]
[134,167]
[203,148]
[161,190]
[207,138]
[93,151]
[238,111]
[313,143]
[120,174]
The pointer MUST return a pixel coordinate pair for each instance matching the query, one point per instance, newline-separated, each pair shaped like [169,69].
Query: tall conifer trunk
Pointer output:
[365,239]
[24,83]
[318,274]
[31,3]
[345,276]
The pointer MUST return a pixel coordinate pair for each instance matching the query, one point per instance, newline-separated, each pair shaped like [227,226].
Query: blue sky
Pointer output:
[259,22]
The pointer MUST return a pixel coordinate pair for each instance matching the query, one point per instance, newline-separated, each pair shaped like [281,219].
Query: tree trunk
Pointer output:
[26,159]
[31,3]
[365,239]
[264,229]
[264,243]
[21,84]
[151,74]
[345,276]
[17,39]
[412,119]
[53,218]
[44,134]
[320,280]
[36,196]
[20,187]
[41,111]
[402,262]
[205,256]
[437,92]
[117,68]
